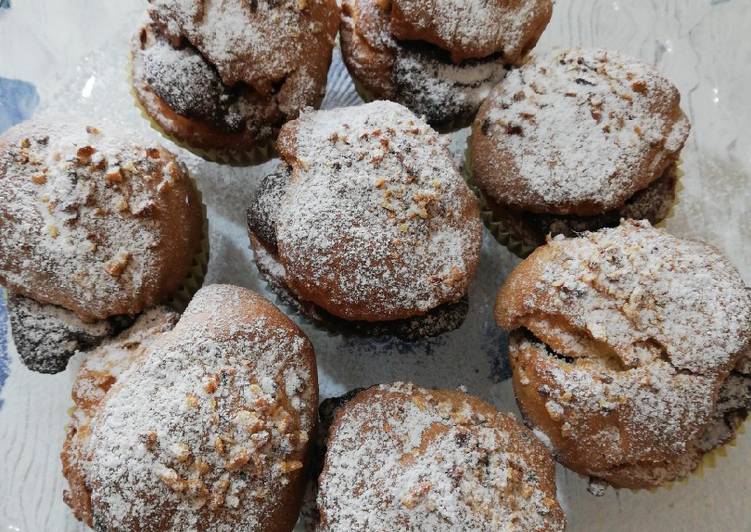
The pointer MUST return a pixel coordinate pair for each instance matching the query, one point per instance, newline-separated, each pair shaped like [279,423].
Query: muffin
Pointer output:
[95,229]
[222,77]
[575,141]
[439,58]
[368,223]
[202,425]
[400,456]
[629,349]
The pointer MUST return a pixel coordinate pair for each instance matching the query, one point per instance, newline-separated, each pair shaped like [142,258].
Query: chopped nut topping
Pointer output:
[192,401]
[639,86]
[291,465]
[153,153]
[53,231]
[114,176]
[238,458]
[170,478]
[211,384]
[84,154]
[219,491]
[180,451]
[149,440]
[39,179]
[219,445]
[117,265]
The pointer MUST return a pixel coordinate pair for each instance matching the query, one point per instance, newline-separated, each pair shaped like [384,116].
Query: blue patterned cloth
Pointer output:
[18,99]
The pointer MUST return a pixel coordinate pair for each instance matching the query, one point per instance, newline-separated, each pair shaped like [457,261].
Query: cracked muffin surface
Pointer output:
[198,423]
[392,51]
[625,346]
[224,76]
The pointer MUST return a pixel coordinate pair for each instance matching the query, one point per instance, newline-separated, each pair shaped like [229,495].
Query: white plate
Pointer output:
[75,53]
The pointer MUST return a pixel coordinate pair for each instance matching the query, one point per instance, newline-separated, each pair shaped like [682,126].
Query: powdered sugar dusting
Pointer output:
[406,458]
[256,42]
[578,131]
[90,219]
[214,417]
[649,325]
[376,216]
[471,28]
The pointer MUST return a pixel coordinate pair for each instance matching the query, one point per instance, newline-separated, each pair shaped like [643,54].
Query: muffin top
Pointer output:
[258,42]
[576,132]
[474,28]
[417,459]
[645,293]
[207,431]
[633,333]
[376,222]
[93,222]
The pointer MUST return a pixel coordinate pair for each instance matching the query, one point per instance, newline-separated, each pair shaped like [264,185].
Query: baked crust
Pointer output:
[203,426]
[621,342]
[225,77]
[257,43]
[109,227]
[376,223]
[415,458]
[473,29]
[576,132]
[414,73]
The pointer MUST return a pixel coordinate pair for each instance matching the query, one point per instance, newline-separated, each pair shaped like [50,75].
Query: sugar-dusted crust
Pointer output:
[621,342]
[223,77]
[415,74]
[376,223]
[208,430]
[473,28]
[257,42]
[576,132]
[404,457]
[93,222]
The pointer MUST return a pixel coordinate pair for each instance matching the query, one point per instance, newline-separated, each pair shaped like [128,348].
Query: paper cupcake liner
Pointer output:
[255,155]
[194,280]
[505,234]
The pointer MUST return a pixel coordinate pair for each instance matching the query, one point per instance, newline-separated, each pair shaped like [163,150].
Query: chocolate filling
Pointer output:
[447,94]
[46,336]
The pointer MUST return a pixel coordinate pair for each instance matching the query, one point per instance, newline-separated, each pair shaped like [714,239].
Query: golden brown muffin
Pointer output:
[393,51]
[204,426]
[371,220]
[223,77]
[621,343]
[93,223]
[403,457]
[95,229]
[472,29]
[568,140]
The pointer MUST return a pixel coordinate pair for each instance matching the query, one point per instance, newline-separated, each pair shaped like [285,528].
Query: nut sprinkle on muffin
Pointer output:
[200,425]
[577,140]
[400,456]
[628,348]
[369,219]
